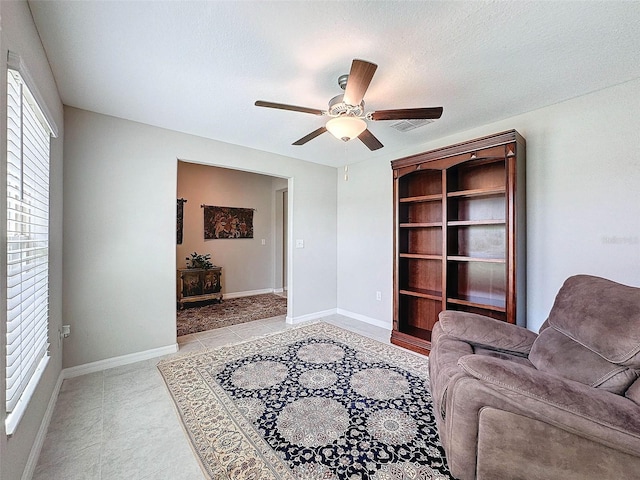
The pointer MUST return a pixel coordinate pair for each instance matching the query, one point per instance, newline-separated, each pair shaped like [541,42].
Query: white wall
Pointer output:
[18,34]
[120,248]
[583,203]
[365,241]
[247,264]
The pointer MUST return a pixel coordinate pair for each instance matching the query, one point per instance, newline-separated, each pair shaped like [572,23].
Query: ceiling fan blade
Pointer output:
[293,108]
[359,79]
[431,113]
[311,136]
[370,141]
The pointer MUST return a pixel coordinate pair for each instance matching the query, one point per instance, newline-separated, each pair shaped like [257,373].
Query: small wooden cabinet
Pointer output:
[198,285]
[459,215]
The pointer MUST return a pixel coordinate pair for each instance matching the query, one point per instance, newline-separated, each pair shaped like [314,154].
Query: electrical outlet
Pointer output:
[379,296]
[63,332]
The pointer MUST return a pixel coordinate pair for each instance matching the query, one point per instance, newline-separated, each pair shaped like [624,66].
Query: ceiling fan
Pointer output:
[347,110]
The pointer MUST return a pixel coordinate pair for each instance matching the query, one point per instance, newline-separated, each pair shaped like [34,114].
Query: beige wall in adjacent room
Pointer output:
[280,241]
[248,265]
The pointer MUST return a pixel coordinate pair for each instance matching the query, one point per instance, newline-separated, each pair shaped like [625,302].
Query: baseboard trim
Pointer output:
[363,318]
[38,442]
[247,293]
[278,290]
[310,316]
[100,365]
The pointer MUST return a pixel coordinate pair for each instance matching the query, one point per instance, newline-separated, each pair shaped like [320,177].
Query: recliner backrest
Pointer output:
[593,334]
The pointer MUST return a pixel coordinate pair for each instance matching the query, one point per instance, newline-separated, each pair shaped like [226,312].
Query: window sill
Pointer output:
[13,419]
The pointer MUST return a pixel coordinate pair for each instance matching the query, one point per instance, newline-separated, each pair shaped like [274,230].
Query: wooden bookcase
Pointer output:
[459,215]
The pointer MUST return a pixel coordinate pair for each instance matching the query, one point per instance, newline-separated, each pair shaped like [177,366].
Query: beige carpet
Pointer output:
[310,403]
[233,311]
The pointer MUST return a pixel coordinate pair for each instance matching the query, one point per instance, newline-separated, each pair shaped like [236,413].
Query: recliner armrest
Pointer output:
[594,413]
[487,332]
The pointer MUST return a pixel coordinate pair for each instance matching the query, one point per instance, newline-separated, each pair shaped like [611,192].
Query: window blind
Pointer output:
[28,139]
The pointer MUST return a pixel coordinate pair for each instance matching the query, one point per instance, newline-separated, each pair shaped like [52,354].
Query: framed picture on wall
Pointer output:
[227,222]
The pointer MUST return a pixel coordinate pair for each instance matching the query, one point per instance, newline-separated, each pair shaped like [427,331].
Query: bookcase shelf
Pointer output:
[458,258]
[421,198]
[478,192]
[420,256]
[467,223]
[421,225]
[497,305]
[423,293]
[459,235]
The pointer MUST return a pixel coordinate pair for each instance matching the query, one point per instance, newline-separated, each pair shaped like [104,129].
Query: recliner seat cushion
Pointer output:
[502,355]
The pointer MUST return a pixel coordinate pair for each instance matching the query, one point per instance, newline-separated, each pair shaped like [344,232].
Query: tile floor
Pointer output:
[121,424]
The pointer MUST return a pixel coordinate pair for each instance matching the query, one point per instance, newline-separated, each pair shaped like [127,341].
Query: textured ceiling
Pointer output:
[198,67]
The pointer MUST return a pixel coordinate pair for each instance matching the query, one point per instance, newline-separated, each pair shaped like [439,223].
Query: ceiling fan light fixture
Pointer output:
[348,118]
[346,127]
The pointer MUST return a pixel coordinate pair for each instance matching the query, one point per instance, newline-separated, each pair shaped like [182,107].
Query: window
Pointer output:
[28,139]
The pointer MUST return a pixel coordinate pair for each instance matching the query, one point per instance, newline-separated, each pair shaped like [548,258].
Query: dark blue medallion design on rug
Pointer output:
[332,412]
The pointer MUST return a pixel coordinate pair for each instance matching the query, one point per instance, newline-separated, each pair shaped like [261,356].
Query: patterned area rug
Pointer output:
[230,312]
[311,403]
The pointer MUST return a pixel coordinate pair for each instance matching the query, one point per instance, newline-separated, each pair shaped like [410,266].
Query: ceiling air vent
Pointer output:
[407,125]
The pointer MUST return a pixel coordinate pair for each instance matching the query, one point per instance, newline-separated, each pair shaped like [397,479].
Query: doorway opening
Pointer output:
[239,222]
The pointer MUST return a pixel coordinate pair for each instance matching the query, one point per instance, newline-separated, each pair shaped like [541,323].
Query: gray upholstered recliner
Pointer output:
[561,404]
